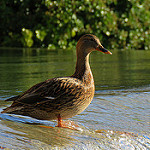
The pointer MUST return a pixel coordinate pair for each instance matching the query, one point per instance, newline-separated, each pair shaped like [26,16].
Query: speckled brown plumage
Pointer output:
[61,97]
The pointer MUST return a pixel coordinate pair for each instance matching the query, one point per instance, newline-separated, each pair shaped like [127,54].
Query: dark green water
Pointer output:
[120,106]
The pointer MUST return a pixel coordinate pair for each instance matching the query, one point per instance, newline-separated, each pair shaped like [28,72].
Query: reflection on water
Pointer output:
[117,118]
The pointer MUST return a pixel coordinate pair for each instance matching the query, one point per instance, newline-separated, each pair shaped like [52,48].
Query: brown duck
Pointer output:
[62,97]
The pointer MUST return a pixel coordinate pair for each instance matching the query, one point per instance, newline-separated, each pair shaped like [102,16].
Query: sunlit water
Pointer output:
[117,118]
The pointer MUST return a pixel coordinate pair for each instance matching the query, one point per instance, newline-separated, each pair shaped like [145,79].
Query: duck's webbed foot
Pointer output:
[66,124]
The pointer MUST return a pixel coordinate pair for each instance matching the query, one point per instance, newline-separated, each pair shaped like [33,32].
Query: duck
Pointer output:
[61,97]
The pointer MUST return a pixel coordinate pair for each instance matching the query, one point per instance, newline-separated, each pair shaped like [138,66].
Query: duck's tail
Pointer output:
[11,110]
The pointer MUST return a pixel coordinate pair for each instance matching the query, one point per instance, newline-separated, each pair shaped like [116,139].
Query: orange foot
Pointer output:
[46,127]
[66,124]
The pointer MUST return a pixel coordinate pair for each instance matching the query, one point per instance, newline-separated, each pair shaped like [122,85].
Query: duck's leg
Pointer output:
[66,124]
[59,121]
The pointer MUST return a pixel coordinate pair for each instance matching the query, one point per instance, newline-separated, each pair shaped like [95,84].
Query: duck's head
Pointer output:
[88,43]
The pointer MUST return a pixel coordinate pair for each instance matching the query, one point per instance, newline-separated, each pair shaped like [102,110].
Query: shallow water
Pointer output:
[117,118]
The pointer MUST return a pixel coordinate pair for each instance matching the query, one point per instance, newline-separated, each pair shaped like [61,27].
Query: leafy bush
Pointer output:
[59,24]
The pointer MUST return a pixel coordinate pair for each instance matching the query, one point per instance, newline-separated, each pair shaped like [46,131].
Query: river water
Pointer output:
[117,119]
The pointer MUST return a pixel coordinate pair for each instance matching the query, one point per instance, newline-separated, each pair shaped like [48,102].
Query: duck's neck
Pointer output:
[83,71]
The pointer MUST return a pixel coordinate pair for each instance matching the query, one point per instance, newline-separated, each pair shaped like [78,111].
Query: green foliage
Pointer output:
[27,37]
[59,24]
[40,34]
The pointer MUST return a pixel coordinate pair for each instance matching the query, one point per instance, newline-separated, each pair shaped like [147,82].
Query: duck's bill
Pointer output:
[103,50]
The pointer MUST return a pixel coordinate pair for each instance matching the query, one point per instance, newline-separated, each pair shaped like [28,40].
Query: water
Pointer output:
[117,118]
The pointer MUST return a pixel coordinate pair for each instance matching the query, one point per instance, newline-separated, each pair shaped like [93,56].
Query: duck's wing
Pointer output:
[30,96]
[49,90]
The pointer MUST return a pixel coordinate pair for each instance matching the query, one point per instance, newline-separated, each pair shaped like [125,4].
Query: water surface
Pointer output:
[117,118]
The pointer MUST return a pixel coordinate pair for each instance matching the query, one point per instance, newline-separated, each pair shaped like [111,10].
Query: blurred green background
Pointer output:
[120,24]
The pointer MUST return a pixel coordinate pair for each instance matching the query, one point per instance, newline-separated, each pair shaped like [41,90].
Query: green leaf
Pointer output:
[40,34]
[27,37]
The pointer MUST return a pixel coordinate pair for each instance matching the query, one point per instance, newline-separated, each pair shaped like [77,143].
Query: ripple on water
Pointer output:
[15,135]
[116,119]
